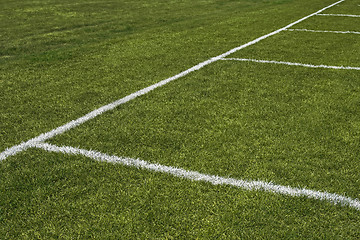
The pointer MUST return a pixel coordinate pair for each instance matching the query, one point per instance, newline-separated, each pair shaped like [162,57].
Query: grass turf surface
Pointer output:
[284,124]
[60,196]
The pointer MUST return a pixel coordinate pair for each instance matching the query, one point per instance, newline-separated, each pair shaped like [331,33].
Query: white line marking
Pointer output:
[290,63]
[213,179]
[339,15]
[323,31]
[74,123]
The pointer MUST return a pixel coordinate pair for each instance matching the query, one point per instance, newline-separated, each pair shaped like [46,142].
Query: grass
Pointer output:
[310,48]
[348,7]
[254,127]
[289,125]
[104,68]
[331,24]
[74,197]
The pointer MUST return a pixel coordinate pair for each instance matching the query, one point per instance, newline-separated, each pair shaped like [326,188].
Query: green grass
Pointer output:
[289,125]
[59,196]
[331,24]
[348,7]
[45,88]
[310,48]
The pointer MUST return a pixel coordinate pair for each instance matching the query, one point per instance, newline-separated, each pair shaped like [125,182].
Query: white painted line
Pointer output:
[213,179]
[290,63]
[339,15]
[74,123]
[323,31]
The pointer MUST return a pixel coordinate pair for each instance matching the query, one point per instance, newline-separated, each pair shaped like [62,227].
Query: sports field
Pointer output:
[211,119]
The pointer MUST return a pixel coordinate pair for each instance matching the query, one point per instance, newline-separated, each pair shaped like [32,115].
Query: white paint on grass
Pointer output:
[291,63]
[339,15]
[323,31]
[213,179]
[74,123]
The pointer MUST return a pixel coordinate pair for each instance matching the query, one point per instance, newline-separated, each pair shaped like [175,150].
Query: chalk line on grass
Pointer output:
[74,123]
[291,63]
[322,31]
[213,179]
[338,15]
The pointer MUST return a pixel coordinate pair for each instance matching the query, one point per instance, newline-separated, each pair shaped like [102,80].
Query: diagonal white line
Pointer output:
[322,31]
[291,63]
[74,123]
[213,179]
[339,15]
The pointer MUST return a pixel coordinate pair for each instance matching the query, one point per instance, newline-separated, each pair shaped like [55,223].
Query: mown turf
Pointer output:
[45,84]
[347,7]
[255,121]
[52,196]
[332,24]
[290,125]
[310,48]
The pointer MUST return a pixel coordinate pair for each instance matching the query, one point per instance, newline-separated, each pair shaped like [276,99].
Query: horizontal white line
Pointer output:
[323,31]
[338,15]
[74,123]
[213,179]
[290,63]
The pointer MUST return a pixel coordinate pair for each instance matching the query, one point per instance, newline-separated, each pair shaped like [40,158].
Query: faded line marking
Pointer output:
[323,31]
[213,179]
[74,123]
[339,15]
[291,63]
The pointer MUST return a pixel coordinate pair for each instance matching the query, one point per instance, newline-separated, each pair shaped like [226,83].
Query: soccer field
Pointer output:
[180,119]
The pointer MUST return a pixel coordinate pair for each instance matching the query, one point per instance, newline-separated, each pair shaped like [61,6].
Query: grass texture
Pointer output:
[285,124]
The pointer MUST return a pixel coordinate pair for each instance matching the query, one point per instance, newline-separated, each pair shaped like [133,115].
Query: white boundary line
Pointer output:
[213,179]
[338,15]
[291,63]
[321,31]
[74,123]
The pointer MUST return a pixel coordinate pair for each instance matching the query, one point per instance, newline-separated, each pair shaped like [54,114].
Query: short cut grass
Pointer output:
[290,125]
